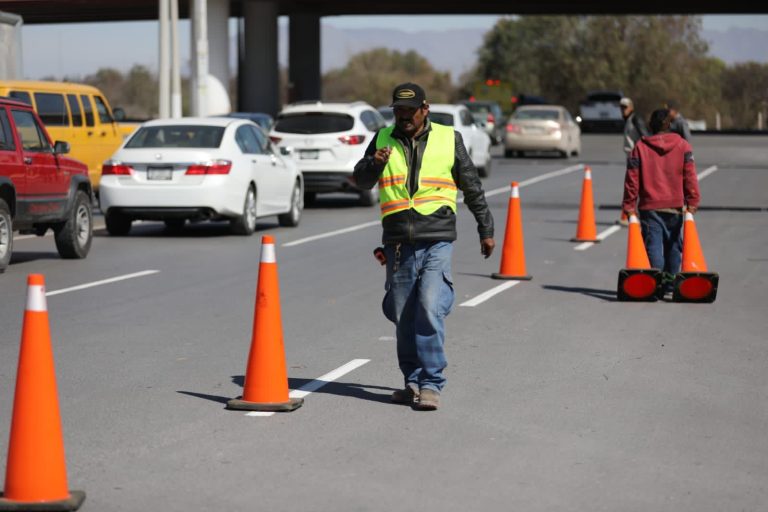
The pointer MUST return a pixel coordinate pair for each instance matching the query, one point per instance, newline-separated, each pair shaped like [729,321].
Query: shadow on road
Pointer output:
[606,295]
[26,257]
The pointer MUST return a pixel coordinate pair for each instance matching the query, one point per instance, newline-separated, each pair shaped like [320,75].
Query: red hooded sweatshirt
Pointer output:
[661,173]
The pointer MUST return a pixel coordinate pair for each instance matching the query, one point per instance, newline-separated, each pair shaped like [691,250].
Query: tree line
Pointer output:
[651,59]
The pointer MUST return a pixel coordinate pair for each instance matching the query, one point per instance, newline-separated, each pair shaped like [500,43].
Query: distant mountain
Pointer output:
[455,51]
[738,44]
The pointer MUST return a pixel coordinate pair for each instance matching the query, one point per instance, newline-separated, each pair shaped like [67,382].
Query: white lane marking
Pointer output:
[103,281]
[600,236]
[537,179]
[706,172]
[318,383]
[332,233]
[487,295]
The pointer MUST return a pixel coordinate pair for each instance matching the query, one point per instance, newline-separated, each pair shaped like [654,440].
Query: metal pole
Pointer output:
[162,72]
[200,58]
[175,63]
[717,121]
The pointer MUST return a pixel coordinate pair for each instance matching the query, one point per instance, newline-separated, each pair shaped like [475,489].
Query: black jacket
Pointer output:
[410,226]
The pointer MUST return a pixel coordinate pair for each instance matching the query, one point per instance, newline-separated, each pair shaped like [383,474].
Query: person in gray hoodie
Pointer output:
[679,124]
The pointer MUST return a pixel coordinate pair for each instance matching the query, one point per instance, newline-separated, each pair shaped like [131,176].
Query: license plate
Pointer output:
[309,154]
[533,130]
[160,173]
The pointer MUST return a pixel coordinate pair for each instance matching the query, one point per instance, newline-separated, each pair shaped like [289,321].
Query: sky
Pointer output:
[69,49]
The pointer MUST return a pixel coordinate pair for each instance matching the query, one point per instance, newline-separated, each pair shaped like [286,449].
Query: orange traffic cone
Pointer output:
[36,475]
[638,281]
[513,252]
[266,378]
[694,283]
[586,231]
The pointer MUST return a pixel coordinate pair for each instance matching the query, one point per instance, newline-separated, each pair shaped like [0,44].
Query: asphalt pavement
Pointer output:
[559,398]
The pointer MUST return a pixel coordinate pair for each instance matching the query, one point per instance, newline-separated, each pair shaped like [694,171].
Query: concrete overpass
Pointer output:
[258,62]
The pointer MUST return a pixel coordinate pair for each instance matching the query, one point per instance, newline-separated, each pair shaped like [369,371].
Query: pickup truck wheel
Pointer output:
[73,238]
[117,224]
[6,235]
[245,224]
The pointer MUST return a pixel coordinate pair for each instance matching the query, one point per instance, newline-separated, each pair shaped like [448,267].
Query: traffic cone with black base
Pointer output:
[638,282]
[266,377]
[513,252]
[586,230]
[36,474]
[694,283]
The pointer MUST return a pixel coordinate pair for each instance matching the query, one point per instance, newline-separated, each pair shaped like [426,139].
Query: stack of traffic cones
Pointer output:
[586,230]
[266,377]
[36,475]
[513,252]
[694,283]
[638,281]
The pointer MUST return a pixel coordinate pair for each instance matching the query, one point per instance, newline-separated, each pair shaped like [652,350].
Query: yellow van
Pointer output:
[76,113]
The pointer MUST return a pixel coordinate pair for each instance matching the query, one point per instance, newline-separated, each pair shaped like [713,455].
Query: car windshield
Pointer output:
[314,122]
[546,115]
[181,136]
[441,118]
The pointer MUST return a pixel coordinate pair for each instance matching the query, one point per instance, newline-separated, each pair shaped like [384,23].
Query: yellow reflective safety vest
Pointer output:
[436,186]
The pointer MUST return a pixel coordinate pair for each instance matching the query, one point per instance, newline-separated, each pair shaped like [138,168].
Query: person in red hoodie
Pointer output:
[660,181]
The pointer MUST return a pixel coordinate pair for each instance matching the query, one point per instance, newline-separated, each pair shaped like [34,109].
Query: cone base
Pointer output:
[695,287]
[593,240]
[239,404]
[75,500]
[496,275]
[638,285]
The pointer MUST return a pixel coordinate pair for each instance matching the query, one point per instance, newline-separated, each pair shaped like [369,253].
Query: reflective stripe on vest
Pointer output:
[436,185]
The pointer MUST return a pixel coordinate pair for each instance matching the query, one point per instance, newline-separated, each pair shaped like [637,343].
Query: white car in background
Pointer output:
[476,140]
[174,170]
[542,128]
[326,140]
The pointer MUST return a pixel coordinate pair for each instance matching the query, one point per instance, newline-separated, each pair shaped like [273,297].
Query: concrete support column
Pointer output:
[259,70]
[218,40]
[305,79]
[199,56]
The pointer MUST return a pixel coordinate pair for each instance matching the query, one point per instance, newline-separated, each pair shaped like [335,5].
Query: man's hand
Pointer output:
[486,247]
[381,156]
[691,209]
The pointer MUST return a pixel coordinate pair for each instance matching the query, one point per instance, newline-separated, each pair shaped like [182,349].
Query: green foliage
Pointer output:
[650,58]
[135,92]
[371,76]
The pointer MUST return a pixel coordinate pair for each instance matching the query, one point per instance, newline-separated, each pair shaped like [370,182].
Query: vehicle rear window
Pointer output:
[547,115]
[181,136]
[314,122]
[441,118]
[51,109]
[479,108]
[604,96]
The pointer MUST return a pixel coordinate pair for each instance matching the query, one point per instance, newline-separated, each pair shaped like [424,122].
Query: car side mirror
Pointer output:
[61,147]
[119,114]
[286,150]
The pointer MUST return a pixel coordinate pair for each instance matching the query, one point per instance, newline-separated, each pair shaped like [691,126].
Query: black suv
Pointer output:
[40,188]
[488,116]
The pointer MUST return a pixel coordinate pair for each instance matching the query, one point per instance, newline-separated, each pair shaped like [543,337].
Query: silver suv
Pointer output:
[326,140]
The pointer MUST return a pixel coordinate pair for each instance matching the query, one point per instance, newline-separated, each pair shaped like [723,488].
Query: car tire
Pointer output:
[117,224]
[562,154]
[6,235]
[245,224]
[292,218]
[369,197]
[74,237]
[485,171]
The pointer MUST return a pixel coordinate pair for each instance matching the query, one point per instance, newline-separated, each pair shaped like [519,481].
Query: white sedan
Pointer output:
[476,140]
[174,170]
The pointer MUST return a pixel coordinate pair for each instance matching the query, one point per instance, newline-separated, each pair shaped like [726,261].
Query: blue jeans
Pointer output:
[419,295]
[663,238]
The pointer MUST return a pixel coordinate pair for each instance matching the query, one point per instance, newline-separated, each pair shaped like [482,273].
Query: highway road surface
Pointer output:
[559,398]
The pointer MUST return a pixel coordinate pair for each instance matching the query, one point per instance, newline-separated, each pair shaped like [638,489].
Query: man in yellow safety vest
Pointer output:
[419,166]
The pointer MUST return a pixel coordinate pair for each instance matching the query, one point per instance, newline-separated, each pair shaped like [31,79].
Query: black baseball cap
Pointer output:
[408,95]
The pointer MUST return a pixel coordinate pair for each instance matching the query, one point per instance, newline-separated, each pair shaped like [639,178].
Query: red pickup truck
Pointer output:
[40,188]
